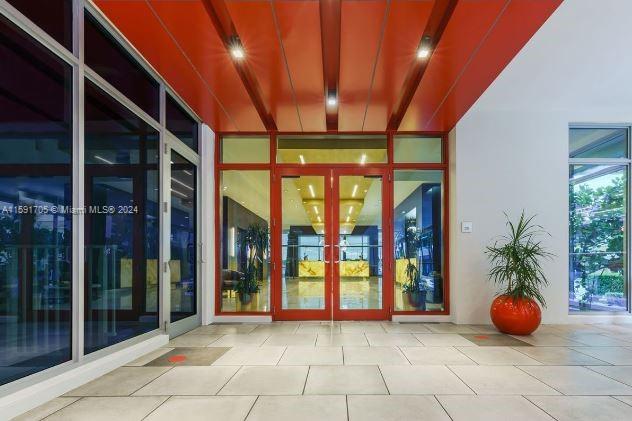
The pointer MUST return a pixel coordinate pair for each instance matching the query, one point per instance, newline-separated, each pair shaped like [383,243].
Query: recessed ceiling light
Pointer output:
[332,100]
[316,209]
[355,190]
[350,210]
[311,190]
[363,159]
[423,52]
[302,159]
[236,49]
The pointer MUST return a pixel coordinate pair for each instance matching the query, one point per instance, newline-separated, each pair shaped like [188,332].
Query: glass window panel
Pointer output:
[106,57]
[183,266]
[417,149]
[598,143]
[339,149]
[598,238]
[360,242]
[418,240]
[53,16]
[122,234]
[35,187]
[245,237]
[245,149]
[303,245]
[180,123]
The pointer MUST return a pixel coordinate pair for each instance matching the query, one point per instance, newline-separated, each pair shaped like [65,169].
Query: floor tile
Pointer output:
[446,339]
[202,408]
[497,355]
[392,408]
[149,357]
[624,399]
[189,381]
[312,355]
[612,355]
[516,408]
[361,328]
[485,329]
[193,340]
[224,329]
[422,380]
[620,373]
[435,355]
[547,339]
[496,339]
[583,408]
[121,382]
[577,380]
[45,410]
[345,380]
[318,328]
[251,355]
[237,339]
[449,328]
[291,339]
[108,409]
[255,380]
[500,380]
[405,328]
[276,328]
[304,408]
[392,339]
[592,339]
[374,355]
[342,339]
[188,356]
[555,355]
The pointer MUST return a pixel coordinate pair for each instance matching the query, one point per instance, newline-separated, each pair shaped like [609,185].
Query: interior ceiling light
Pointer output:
[316,209]
[332,99]
[363,159]
[350,210]
[311,190]
[424,48]
[236,49]
[355,190]
[302,159]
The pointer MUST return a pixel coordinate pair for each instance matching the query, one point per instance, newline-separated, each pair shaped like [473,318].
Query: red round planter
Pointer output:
[515,316]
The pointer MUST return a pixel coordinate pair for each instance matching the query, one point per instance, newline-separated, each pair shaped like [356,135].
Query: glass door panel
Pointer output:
[359,246]
[304,249]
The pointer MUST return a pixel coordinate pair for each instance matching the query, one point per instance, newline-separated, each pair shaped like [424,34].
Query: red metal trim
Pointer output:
[330,17]
[220,16]
[439,17]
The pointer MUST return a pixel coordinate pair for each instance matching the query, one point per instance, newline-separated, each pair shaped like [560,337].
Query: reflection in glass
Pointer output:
[121,183]
[182,264]
[53,16]
[302,242]
[245,241]
[598,237]
[35,173]
[181,124]
[598,142]
[331,149]
[417,149]
[360,242]
[105,56]
[418,240]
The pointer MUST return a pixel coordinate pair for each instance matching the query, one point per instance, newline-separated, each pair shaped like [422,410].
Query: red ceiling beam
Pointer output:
[330,12]
[437,22]
[218,12]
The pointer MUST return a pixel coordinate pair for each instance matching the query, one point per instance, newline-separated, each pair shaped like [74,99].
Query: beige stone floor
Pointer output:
[366,371]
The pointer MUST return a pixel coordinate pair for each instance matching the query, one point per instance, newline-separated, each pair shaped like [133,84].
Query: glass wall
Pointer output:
[181,124]
[183,262]
[248,150]
[331,149]
[122,235]
[598,219]
[35,190]
[409,149]
[244,217]
[53,16]
[418,240]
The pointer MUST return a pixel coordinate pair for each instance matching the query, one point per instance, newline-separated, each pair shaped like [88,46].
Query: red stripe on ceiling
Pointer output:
[299,28]
[504,38]
[218,12]
[405,26]
[153,42]
[437,22]
[330,37]
[362,31]
[255,24]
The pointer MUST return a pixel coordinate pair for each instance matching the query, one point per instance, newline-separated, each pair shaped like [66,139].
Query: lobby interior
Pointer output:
[288,209]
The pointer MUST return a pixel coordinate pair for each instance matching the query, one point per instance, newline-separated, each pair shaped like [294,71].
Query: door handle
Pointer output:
[325,246]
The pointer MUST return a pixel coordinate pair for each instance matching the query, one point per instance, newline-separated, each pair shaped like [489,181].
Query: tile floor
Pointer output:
[366,371]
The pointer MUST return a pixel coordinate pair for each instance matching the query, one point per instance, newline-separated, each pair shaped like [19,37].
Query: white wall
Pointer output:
[510,151]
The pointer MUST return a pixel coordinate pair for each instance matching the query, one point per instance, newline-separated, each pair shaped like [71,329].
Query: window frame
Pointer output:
[624,162]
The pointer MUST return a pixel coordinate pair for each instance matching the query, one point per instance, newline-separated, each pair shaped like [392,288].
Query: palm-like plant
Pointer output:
[255,240]
[516,260]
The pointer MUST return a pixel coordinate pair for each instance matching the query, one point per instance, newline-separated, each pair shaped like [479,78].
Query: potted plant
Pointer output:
[254,241]
[414,289]
[516,266]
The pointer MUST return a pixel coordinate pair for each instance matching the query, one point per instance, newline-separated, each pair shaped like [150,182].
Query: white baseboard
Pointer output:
[242,319]
[32,396]
[421,318]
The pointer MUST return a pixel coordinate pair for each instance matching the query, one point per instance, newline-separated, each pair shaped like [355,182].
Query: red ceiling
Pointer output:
[282,39]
